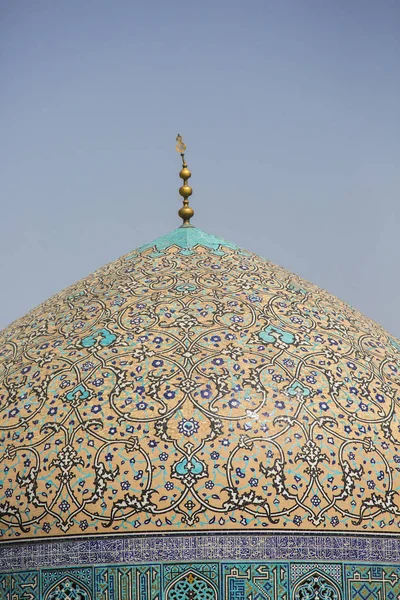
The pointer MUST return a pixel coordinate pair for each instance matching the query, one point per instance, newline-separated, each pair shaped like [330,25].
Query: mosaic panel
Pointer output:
[195,581]
[24,585]
[207,581]
[56,582]
[127,583]
[370,582]
[244,580]
[194,386]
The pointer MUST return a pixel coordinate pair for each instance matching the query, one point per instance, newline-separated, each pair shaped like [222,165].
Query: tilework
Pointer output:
[144,549]
[186,238]
[207,581]
[25,584]
[192,386]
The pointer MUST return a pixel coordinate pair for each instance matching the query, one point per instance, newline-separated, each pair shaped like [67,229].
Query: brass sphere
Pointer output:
[186,213]
[185,173]
[185,191]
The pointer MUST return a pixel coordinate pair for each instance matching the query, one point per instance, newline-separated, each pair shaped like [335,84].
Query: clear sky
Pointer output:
[290,109]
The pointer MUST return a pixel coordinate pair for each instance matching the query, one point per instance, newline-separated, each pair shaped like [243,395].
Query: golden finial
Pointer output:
[186,212]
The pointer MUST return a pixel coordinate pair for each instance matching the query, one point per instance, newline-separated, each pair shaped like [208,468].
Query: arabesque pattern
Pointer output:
[195,385]
[207,581]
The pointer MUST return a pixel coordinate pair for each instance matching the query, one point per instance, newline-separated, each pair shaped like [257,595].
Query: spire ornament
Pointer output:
[186,212]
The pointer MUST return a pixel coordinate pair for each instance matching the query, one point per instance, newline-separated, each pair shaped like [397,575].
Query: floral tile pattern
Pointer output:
[192,386]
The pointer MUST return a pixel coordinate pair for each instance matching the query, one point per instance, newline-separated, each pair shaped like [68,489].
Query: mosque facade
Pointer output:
[194,422]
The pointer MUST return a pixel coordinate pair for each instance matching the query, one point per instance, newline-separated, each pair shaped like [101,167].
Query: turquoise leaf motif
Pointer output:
[79,392]
[395,344]
[183,468]
[298,388]
[272,334]
[107,338]
[186,287]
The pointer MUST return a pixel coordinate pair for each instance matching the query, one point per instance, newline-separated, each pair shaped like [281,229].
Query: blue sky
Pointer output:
[290,110]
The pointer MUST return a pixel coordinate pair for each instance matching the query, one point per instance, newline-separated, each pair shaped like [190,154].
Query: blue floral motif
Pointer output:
[188,427]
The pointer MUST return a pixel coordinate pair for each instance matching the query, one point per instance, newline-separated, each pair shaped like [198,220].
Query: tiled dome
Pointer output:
[190,386]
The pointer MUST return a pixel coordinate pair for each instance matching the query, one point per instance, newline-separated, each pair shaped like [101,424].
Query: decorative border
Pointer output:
[145,549]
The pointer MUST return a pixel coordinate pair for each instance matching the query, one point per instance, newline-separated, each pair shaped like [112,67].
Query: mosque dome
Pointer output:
[191,384]
[193,387]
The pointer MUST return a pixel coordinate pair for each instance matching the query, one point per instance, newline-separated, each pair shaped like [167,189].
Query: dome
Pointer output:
[192,386]
[194,422]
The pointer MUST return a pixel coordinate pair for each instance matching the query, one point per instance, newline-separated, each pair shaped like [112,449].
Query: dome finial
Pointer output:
[186,212]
